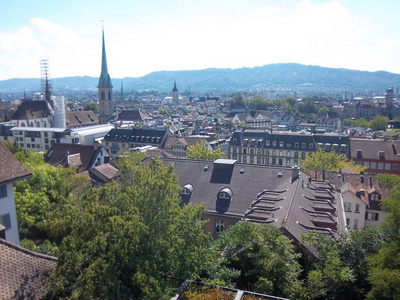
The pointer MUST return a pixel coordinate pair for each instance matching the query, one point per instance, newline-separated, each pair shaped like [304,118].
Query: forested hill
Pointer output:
[275,76]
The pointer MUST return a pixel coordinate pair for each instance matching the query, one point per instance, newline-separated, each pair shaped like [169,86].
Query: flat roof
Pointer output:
[38,129]
[225,161]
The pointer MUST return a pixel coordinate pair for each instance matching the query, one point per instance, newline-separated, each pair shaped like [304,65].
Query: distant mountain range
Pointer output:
[274,76]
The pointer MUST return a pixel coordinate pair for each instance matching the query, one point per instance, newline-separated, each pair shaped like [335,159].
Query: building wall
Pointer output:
[210,226]
[7,211]
[351,212]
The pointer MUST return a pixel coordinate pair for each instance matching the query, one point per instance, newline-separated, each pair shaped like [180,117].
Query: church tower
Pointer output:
[175,94]
[104,89]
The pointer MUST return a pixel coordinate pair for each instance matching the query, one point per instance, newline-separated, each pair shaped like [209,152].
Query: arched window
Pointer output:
[109,95]
[288,154]
[103,96]
[187,189]
[296,154]
[225,193]
[259,152]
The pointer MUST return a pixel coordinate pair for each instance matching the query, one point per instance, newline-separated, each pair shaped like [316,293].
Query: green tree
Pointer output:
[92,106]
[238,101]
[308,107]
[323,110]
[327,161]
[35,197]
[263,255]
[259,103]
[379,123]
[201,151]
[341,270]
[126,239]
[385,265]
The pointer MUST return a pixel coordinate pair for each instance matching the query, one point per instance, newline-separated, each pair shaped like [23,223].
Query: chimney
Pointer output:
[295,173]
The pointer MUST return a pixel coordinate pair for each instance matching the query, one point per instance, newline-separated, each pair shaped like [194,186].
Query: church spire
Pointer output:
[104,76]
[174,89]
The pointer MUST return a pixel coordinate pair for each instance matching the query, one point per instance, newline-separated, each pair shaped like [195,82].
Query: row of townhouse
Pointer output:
[282,149]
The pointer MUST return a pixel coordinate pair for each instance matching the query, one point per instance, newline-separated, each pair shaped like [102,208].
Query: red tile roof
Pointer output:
[10,168]
[23,272]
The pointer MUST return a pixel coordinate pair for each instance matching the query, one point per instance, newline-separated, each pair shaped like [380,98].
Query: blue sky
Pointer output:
[143,36]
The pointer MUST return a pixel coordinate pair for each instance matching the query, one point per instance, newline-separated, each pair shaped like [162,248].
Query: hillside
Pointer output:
[290,76]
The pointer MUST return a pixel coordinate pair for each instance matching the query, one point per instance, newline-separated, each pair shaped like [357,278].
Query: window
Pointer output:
[381,155]
[303,155]
[244,158]
[357,210]
[3,191]
[224,195]
[274,143]
[372,216]
[288,162]
[347,206]
[359,153]
[296,145]
[252,151]
[5,221]
[373,165]
[251,159]
[267,160]
[289,145]
[355,224]
[303,145]
[395,167]
[219,226]
[267,143]
[296,154]
[244,151]
[280,153]
[259,152]
[347,222]
[281,144]
[380,166]
[387,167]
[266,152]
[288,154]
[311,146]
[274,153]
[235,141]
[187,189]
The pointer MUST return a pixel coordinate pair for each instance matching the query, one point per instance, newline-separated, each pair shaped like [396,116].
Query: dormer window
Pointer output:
[187,189]
[225,193]
[381,155]
[359,153]
[274,143]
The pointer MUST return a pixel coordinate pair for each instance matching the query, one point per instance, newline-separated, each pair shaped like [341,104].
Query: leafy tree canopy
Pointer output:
[201,151]
[92,106]
[126,239]
[238,101]
[327,161]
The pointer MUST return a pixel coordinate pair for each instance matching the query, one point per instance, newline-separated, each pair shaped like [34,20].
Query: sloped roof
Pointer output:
[10,168]
[28,110]
[81,118]
[102,174]
[23,271]
[63,154]
[260,194]
[133,115]
[370,149]
[151,136]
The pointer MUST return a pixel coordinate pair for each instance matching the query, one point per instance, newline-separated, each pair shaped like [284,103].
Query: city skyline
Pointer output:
[188,35]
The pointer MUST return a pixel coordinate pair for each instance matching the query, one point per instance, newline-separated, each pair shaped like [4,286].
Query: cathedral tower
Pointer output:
[104,89]
[175,94]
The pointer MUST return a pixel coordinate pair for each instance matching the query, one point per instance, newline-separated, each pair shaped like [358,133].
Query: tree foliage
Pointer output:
[201,151]
[379,123]
[385,265]
[93,106]
[125,239]
[238,101]
[341,270]
[327,161]
[264,257]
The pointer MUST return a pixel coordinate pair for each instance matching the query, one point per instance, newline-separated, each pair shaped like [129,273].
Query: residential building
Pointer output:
[255,118]
[379,156]
[11,171]
[38,138]
[282,149]
[283,197]
[119,140]
[76,119]
[177,146]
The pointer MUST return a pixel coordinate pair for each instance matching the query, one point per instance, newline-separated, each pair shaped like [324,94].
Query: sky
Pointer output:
[144,36]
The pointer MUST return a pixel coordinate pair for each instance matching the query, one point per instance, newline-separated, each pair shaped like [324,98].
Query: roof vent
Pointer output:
[241,171]
[205,168]
[280,173]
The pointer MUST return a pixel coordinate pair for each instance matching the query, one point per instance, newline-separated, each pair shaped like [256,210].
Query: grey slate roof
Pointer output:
[260,194]
[28,110]
[81,118]
[140,135]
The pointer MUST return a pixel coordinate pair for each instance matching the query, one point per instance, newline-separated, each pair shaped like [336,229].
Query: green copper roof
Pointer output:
[104,76]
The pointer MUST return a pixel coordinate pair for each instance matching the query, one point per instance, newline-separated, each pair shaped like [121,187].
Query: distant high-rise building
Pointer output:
[104,89]
[175,94]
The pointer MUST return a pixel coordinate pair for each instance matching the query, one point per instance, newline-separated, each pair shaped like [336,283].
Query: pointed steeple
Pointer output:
[174,89]
[104,79]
